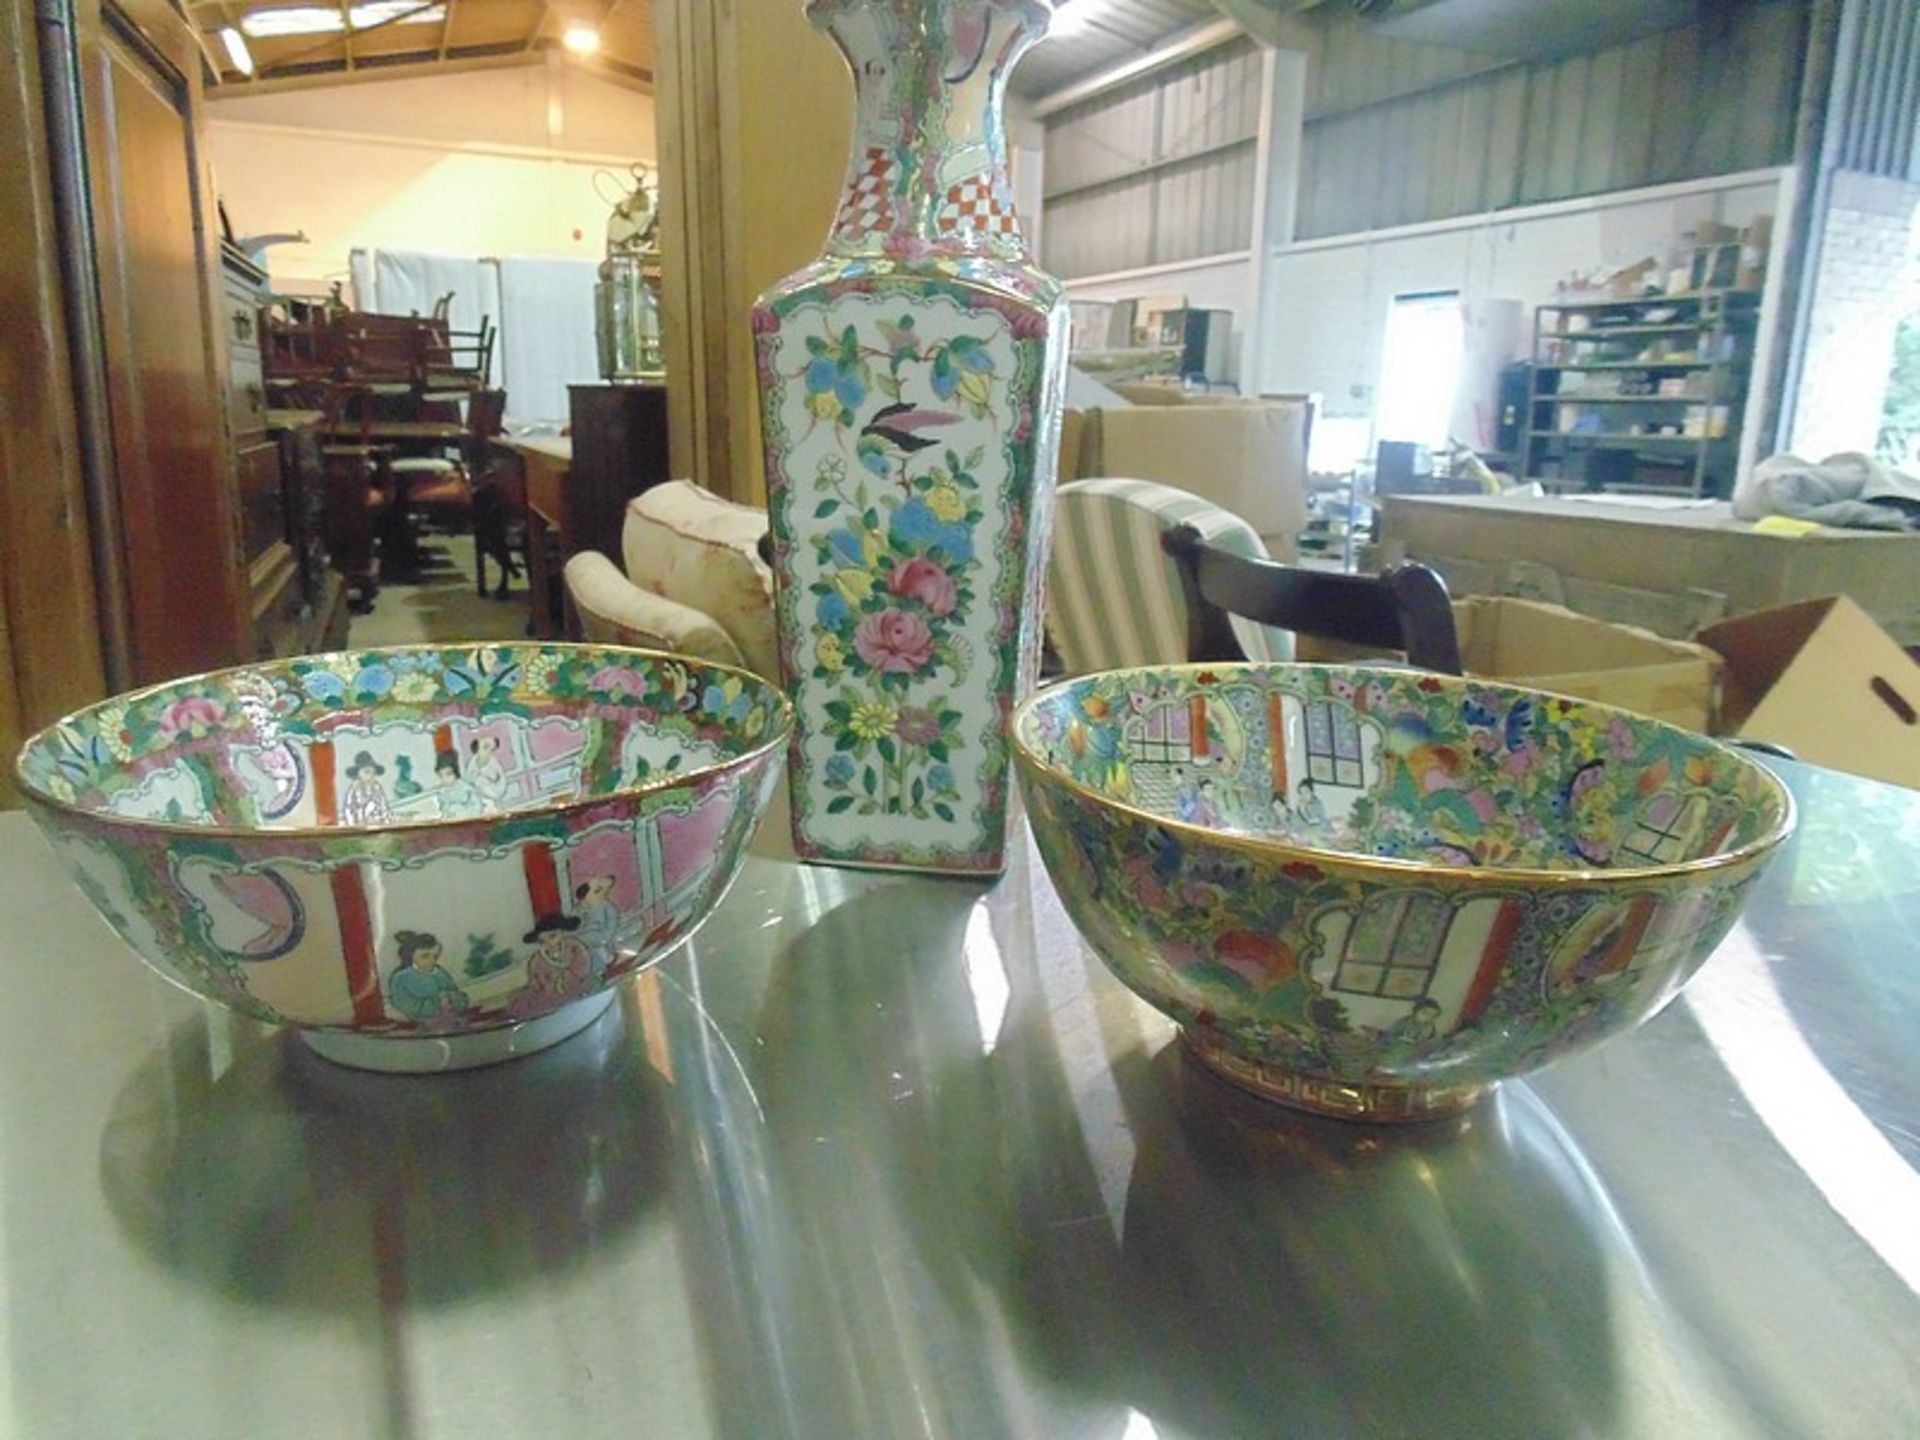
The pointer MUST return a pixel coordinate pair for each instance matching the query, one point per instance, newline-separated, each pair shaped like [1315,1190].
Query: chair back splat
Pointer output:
[1404,608]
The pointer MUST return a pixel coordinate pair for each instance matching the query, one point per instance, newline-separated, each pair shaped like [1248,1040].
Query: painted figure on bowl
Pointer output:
[420,988]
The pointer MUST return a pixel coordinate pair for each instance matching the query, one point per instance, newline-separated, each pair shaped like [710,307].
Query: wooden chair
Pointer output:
[358,518]
[381,350]
[459,360]
[465,494]
[1403,608]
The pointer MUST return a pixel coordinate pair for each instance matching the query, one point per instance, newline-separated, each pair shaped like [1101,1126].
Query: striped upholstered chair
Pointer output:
[1115,598]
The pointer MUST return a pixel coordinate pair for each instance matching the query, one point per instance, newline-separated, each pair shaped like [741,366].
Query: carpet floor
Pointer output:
[444,608]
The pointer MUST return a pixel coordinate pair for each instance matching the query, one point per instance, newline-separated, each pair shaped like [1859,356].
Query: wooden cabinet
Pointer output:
[135,335]
[619,435]
[50,642]
[280,486]
[171,503]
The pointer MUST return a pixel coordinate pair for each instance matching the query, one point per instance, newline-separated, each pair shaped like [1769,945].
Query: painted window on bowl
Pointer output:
[1666,829]
[1333,745]
[1393,947]
[1162,735]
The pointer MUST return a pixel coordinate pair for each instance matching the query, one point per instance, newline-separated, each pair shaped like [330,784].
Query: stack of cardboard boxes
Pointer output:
[1792,638]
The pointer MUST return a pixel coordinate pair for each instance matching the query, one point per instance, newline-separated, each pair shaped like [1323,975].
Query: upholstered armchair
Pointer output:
[694,582]
[1115,597]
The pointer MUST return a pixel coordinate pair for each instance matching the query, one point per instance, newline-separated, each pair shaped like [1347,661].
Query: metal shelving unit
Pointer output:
[1617,378]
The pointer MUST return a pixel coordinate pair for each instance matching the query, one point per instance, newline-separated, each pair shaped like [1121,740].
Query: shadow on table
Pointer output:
[1272,1272]
[818,1111]
[241,1160]
[914,1212]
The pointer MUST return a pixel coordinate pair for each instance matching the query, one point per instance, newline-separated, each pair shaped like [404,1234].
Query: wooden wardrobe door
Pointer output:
[178,526]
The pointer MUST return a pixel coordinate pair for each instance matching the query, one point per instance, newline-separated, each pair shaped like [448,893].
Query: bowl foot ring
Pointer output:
[433,1054]
[1342,1099]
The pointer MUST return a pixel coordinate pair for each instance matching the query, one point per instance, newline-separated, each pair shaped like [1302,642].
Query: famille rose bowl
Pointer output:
[1375,892]
[423,858]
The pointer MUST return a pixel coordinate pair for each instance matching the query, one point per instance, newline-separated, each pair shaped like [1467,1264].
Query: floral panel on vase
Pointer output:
[911,384]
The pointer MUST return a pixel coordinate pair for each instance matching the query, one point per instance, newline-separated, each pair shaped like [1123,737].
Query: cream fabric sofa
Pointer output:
[693,583]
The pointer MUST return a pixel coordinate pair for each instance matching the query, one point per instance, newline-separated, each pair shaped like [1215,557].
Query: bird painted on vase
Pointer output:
[894,436]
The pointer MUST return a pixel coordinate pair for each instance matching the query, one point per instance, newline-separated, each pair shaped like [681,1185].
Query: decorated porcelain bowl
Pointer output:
[1375,892]
[422,858]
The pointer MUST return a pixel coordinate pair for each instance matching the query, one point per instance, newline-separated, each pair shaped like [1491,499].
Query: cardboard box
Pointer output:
[1548,647]
[1826,682]
[1632,281]
[1247,456]
[1669,570]
[1151,392]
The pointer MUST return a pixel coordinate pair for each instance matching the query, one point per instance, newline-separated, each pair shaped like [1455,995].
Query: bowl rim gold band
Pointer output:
[778,736]
[1379,866]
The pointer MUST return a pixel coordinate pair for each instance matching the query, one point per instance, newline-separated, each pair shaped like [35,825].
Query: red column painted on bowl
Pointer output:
[357,945]
[1639,916]
[1277,743]
[326,801]
[1493,959]
[1197,726]
[543,880]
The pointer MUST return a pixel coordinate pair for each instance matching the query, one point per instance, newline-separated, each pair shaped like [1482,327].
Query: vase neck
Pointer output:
[928,167]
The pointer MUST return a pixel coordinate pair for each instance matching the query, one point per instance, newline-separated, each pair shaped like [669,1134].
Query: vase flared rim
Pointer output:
[1038,13]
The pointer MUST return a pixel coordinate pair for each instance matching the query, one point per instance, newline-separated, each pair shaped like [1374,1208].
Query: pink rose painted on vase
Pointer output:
[894,641]
[920,579]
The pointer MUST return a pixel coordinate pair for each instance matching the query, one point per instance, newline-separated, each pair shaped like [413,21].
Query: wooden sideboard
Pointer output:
[546,470]
[619,435]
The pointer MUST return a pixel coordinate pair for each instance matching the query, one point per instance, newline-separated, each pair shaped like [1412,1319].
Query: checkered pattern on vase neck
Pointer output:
[928,171]
[980,204]
[865,210]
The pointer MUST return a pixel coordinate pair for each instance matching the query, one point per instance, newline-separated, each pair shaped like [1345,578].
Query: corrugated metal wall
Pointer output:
[1157,171]
[1398,132]
[1874,116]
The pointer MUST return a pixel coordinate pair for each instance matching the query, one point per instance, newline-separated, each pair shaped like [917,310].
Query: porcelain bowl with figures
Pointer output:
[1373,892]
[422,858]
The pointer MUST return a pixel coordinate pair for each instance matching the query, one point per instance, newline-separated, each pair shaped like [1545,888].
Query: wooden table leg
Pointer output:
[543,578]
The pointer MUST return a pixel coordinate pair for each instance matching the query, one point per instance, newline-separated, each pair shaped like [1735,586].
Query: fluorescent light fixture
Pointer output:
[395,12]
[580,39]
[298,20]
[324,20]
[237,51]
[1074,17]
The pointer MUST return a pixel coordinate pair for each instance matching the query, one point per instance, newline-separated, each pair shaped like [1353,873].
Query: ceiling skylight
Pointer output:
[326,20]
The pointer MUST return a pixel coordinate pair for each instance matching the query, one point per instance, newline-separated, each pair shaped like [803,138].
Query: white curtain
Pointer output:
[546,334]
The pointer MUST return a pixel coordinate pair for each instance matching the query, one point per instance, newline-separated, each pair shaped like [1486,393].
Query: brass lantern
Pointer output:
[626,298]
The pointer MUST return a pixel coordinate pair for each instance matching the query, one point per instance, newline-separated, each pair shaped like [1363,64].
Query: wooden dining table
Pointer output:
[397,432]
[552,533]
[877,1155]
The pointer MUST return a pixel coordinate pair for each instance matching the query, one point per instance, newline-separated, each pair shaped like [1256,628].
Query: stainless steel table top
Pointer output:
[892,1157]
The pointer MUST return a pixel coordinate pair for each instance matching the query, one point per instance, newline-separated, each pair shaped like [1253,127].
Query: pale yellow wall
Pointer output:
[756,114]
[489,162]
[796,120]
